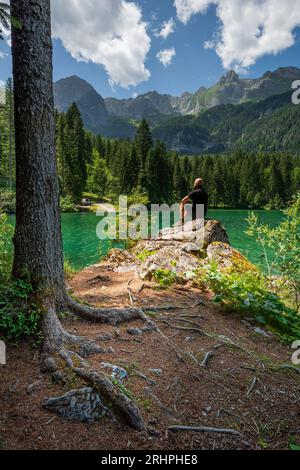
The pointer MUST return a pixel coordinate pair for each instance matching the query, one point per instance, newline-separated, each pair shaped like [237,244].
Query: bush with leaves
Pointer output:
[8,201]
[19,317]
[67,204]
[6,233]
[248,293]
[284,240]
[165,277]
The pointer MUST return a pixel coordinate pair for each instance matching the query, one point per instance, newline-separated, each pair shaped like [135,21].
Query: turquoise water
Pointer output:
[235,224]
[82,247]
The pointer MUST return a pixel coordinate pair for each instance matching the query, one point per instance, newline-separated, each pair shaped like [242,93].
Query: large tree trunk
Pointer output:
[37,240]
[38,243]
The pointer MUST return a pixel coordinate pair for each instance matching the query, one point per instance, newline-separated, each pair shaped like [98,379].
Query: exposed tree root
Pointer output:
[64,352]
[233,432]
[121,403]
[112,316]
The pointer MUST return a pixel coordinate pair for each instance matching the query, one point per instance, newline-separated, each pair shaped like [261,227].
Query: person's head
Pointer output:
[198,183]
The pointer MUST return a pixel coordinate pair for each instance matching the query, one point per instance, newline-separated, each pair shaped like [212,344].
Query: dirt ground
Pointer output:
[241,386]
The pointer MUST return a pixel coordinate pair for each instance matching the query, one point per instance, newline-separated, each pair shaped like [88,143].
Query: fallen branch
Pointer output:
[199,302]
[130,295]
[183,328]
[288,367]
[207,356]
[252,386]
[165,308]
[233,432]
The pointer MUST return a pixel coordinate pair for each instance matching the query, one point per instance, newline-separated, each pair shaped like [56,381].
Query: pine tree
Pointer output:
[178,181]
[75,158]
[143,140]
[99,177]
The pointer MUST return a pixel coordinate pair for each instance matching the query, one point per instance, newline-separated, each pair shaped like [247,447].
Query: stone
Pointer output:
[157,372]
[153,421]
[245,323]
[262,332]
[81,405]
[32,388]
[120,260]
[116,372]
[49,364]
[171,258]
[180,251]
[227,257]
[105,337]
[134,331]
[153,432]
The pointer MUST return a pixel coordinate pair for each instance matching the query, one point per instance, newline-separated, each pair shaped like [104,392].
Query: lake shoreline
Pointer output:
[82,248]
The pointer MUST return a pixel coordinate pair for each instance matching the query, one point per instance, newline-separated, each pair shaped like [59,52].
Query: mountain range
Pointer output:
[231,113]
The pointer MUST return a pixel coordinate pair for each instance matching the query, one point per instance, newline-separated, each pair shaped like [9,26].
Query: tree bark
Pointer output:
[38,255]
[37,241]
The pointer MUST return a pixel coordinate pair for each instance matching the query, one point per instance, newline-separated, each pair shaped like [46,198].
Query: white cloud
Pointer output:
[209,45]
[167,28]
[249,29]
[107,32]
[187,8]
[166,56]
[3,55]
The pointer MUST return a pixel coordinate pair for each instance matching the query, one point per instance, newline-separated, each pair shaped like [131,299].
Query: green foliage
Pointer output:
[267,126]
[8,201]
[147,173]
[6,233]
[69,270]
[67,205]
[19,317]
[165,277]
[285,241]
[18,320]
[7,135]
[248,293]
[145,254]
[138,197]
[294,447]
[100,180]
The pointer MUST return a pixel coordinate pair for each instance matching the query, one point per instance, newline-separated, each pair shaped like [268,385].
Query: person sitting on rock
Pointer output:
[198,197]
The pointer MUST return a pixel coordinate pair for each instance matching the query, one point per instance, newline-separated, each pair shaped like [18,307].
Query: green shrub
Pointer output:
[67,205]
[145,254]
[284,240]
[6,250]
[8,201]
[165,277]
[248,293]
[70,271]
[19,318]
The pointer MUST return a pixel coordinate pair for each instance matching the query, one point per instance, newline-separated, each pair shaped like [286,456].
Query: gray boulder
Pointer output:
[82,405]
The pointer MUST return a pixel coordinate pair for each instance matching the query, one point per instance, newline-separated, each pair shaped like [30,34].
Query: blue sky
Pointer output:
[192,66]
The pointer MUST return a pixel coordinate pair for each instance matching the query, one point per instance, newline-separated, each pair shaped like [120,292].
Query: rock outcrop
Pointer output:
[227,257]
[177,250]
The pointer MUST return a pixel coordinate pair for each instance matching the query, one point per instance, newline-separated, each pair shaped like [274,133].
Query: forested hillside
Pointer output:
[144,169]
[213,120]
[229,127]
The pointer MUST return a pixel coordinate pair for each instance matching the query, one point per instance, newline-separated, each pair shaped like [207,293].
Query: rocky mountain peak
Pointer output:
[230,78]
